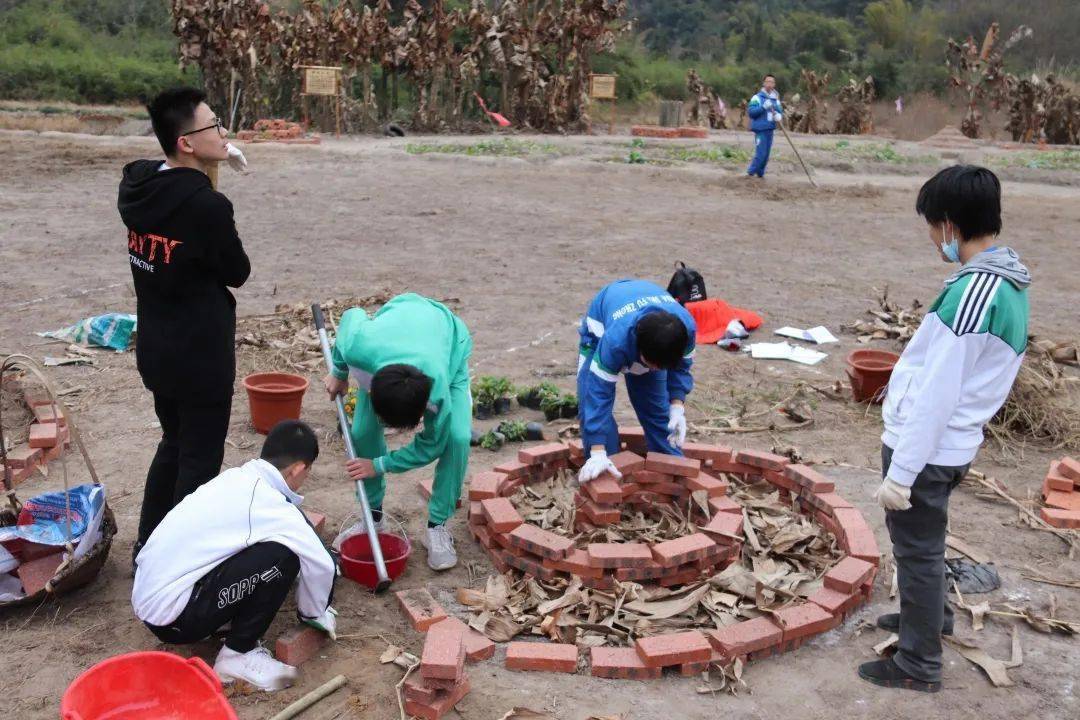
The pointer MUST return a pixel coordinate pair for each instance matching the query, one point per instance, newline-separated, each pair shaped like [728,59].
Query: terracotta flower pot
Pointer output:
[274,397]
[869,372]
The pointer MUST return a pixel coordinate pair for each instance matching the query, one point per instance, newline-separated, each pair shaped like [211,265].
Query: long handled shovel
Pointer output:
[343,420]
[805,169]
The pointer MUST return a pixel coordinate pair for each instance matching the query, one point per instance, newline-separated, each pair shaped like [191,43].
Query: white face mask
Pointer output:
[951,249]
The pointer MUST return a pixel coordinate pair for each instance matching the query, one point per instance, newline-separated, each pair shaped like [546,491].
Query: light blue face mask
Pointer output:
[951,249]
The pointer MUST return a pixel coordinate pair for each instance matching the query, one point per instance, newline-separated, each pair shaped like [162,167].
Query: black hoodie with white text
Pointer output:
[184,255]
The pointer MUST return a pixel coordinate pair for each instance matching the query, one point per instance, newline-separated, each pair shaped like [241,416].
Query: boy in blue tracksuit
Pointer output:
[765,112]
[637,328]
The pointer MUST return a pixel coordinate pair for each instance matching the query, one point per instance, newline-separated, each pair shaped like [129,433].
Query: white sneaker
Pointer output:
[440,546]
[257,667]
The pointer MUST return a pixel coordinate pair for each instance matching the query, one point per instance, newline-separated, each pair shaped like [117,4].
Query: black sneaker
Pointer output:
[891,622]
[886,673]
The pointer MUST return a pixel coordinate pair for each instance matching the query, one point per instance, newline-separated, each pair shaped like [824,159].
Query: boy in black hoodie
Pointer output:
[184,255]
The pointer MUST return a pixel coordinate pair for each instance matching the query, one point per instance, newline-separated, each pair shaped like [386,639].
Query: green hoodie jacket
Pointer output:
[413,330]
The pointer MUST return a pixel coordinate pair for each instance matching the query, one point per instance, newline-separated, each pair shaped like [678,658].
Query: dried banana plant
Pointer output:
[856,113]
[811,119]
[976,70]
[1042,110]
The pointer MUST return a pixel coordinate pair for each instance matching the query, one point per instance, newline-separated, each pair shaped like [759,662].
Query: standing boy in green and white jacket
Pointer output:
[954,375]
[411,363]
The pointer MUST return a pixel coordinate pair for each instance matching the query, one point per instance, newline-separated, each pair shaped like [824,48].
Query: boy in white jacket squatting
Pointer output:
[229,553]
[955,373]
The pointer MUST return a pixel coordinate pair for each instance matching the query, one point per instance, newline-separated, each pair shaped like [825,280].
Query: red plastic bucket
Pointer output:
[146,686]
[869,372]
[274,397]
[357,562]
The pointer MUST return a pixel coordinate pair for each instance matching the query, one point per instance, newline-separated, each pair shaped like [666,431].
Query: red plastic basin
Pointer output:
[358,564]
[146,686]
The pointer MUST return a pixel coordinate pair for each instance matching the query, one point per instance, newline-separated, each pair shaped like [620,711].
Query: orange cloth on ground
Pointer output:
[712,317]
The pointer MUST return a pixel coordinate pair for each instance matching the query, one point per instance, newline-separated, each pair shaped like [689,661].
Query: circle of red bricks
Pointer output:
[652,478]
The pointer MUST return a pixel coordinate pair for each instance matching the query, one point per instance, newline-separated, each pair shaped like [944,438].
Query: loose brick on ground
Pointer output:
[627,462]
[850,519]
[443,703]
[673,489]
[786,484]
[43,435]
[485,485]
[809,479]
[632,436]
[673,465]
[477,645]
[576,562]
[799,621]
[711,486]
[652,571]
[620,663]
[547,453]
[827,502]
[707,453]
[299,645]
[681,577]
[482,535]
[848,574]
[531,566]
[1070,468]
[17,476]
[513,469]
[745,637]
[540,542]
[443,656]
[542,656]
[833,602]
[725,527]
[862,544]
[674,649]
[599,515]
[648,477]
[605,582]
[577,448]
[604,489]
[1067,519]
[1055,481]
[1063,500]
[45,414]
[683,550]
[501,515]
[420,608]
[24,456]
[617,555]
[693,669]
[762,460]
[724,505]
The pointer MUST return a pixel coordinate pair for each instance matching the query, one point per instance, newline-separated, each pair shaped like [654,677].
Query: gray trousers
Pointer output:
[918,541]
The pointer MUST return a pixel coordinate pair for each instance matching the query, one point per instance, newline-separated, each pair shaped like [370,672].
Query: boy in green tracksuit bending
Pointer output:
[410,362]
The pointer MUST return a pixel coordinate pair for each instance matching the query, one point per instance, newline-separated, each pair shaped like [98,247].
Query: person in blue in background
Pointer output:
[637,328]
[765,112]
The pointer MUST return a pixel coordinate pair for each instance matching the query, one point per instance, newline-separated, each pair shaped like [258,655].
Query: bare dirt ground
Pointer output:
[522,243]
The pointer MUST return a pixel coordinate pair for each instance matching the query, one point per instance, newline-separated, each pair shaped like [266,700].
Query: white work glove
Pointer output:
[778,117]
[237,161]
[597,464]
[676,424]
[327,622]
[893,496]
[769,104]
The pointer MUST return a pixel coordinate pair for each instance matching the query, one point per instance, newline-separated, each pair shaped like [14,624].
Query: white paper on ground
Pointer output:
[819,334]
[786,351]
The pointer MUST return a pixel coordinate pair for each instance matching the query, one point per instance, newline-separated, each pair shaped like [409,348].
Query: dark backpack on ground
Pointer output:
[686,284]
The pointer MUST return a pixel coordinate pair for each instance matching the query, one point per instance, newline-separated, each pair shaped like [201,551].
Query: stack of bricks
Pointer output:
[1061,493]
[441,681]
[658,131]
[49,436]
[277,130]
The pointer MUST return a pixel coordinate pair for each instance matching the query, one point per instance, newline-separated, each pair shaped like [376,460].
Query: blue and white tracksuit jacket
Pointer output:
[763,123]
[609,348]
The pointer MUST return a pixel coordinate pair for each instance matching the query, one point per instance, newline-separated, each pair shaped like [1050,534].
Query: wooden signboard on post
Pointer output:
[322,81]
[602,87]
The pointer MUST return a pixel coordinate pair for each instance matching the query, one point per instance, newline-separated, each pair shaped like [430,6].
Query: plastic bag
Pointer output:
[111,330]
[44,518]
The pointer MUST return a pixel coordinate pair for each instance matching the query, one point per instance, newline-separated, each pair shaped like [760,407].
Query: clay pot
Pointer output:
[274,397]
[869,372]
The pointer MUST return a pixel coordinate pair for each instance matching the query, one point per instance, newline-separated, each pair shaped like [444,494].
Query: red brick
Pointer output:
[513,469]
[482,535]
[799,621]
[681,577]
[498,559]
[675,490]
[673,465]
[833,602]
[547,453]
[683,550]
[724,505]
[444,653]
[1063,500]
[629,489]
[728,526]
[830,524]
[43,435]
[648,477]
[444,703]
[850,519]
[605,582]
[485,485]
[542,656]
[712,486]
[848,574]
[1055,481]
[576,562]
[654,131]
[746,637]
[693,133]
[503,541]
[1070,468]
[299,645]
[632,436]
[16,475]
[707,453]
[317,520]
[827,502]
[652,571]
[809,479]
[546,544]
[420,608]
[674,649]
[694,669]
[477,645]
[621,663]
[604,489]
[531,566]
[617,555]
[501,515]
[628,462]
[476,512]
[24,456]
[862,544]
[35,397]
[1058,518]
[599,515]
[762,460]
[45,414]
